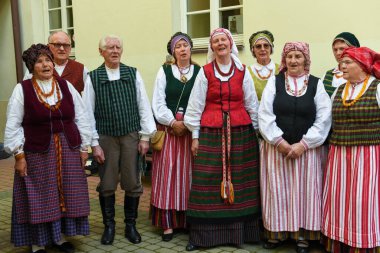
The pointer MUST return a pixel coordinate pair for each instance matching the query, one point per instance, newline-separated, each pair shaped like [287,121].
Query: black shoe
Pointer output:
[167,237]
[271,245]
[191,247]
[131,205]
[66,247]
[108,235]
[302,249]
[131,232]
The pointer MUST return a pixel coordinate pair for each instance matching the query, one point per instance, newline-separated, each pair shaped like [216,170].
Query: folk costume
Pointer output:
[222,112]
[334,77]
[52,199]
[172,166]
[351,182]
[260,73]
[295,109]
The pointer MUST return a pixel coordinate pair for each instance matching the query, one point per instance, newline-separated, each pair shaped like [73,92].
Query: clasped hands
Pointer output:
[178,128]
[291,151]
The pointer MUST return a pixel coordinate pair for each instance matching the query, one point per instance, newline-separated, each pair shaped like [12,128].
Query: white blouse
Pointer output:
[263,70]
[316,134]
[161,112]
[354,91]
[14,133]
[148,126]
[197,100]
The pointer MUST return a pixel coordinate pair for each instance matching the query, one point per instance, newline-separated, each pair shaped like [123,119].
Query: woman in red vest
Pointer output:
[222,114]
[48,132]
[351,198]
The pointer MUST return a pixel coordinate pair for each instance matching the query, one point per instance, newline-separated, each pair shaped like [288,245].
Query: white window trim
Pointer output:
[202,43]
[64,28]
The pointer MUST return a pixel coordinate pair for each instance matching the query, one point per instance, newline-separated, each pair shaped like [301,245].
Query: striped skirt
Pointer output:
[291,189]
[37,218]
[171,173]
[212,221]
[166,219]
[351,196]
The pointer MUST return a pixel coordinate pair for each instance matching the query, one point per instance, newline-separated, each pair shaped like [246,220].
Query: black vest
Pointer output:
[294,115]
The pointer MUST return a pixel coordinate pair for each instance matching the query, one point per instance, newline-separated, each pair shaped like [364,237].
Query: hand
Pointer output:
[143,147]
[297,150]
[21,167]
[179,128]
[284,148]
[194,147]
[83,158]
[98,154]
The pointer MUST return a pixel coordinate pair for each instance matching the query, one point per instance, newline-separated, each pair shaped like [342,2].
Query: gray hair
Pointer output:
[103,41]
[54,33]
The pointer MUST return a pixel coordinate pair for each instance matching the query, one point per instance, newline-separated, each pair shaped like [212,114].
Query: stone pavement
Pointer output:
[151,239]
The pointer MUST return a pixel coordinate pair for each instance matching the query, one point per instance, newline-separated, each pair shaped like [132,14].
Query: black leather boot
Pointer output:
[131,205]
[107,205]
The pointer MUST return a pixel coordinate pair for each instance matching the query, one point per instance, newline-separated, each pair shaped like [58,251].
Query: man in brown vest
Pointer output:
[70,70]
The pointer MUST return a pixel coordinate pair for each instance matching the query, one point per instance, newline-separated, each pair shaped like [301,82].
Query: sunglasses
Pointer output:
[259,46]
[59,45]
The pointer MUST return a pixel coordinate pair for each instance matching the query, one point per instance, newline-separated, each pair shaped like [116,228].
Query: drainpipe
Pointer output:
[17,39]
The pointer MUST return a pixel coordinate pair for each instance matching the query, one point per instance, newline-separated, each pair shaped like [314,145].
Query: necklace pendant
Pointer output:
[183,79]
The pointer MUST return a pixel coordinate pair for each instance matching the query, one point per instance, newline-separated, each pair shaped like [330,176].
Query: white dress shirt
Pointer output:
[197,100]
[148,126]
[14,132]
[316,134]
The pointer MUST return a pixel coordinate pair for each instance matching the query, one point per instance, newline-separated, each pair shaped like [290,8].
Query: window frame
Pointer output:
[201,44]
[64,27]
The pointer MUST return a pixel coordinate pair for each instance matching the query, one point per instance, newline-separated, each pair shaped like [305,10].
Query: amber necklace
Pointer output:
[264,77]
[293,92]
[222,73]
[41,95]
[346,88]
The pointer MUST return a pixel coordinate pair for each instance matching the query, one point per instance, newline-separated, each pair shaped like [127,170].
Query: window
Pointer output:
[200,17]
[60,16]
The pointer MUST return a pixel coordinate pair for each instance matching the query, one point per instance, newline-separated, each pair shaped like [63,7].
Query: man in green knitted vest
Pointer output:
[123,122]
[334,77]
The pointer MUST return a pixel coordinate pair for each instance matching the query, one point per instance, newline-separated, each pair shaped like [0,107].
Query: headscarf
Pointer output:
[348,38]
[177,37]
[30,56]
[368,59]
[234,50]
[296,46]
[265,34]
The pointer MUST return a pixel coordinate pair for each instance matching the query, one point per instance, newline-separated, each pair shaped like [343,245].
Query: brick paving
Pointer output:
[151,239]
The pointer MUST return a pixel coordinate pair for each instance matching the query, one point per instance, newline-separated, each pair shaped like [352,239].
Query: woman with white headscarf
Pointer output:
[222,115]
[294,119]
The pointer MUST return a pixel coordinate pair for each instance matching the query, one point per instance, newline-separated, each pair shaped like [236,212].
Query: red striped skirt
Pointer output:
[171,173]
[351,196]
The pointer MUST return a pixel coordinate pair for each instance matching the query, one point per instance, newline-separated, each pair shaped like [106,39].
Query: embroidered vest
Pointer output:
[358,124]
[174,89]
[260,83]
[227,96]
[294,115]
[73,72]
[328,82]
[116,109]
[40,123]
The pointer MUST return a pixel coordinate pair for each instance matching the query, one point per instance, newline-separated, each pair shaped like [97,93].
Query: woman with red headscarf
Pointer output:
[294,119]
[222,115]
[351,198]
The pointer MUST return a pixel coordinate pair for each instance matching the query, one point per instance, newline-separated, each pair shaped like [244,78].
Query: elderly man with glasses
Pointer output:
[76,73]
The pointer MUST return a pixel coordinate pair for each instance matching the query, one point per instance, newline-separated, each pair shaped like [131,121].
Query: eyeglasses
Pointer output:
[59,45]
[259,46]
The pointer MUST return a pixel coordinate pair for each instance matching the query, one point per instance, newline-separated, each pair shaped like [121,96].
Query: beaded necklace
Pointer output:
[293,92]
[41,95]
[346,88]
[222,73]
[183,73]
[264,77]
